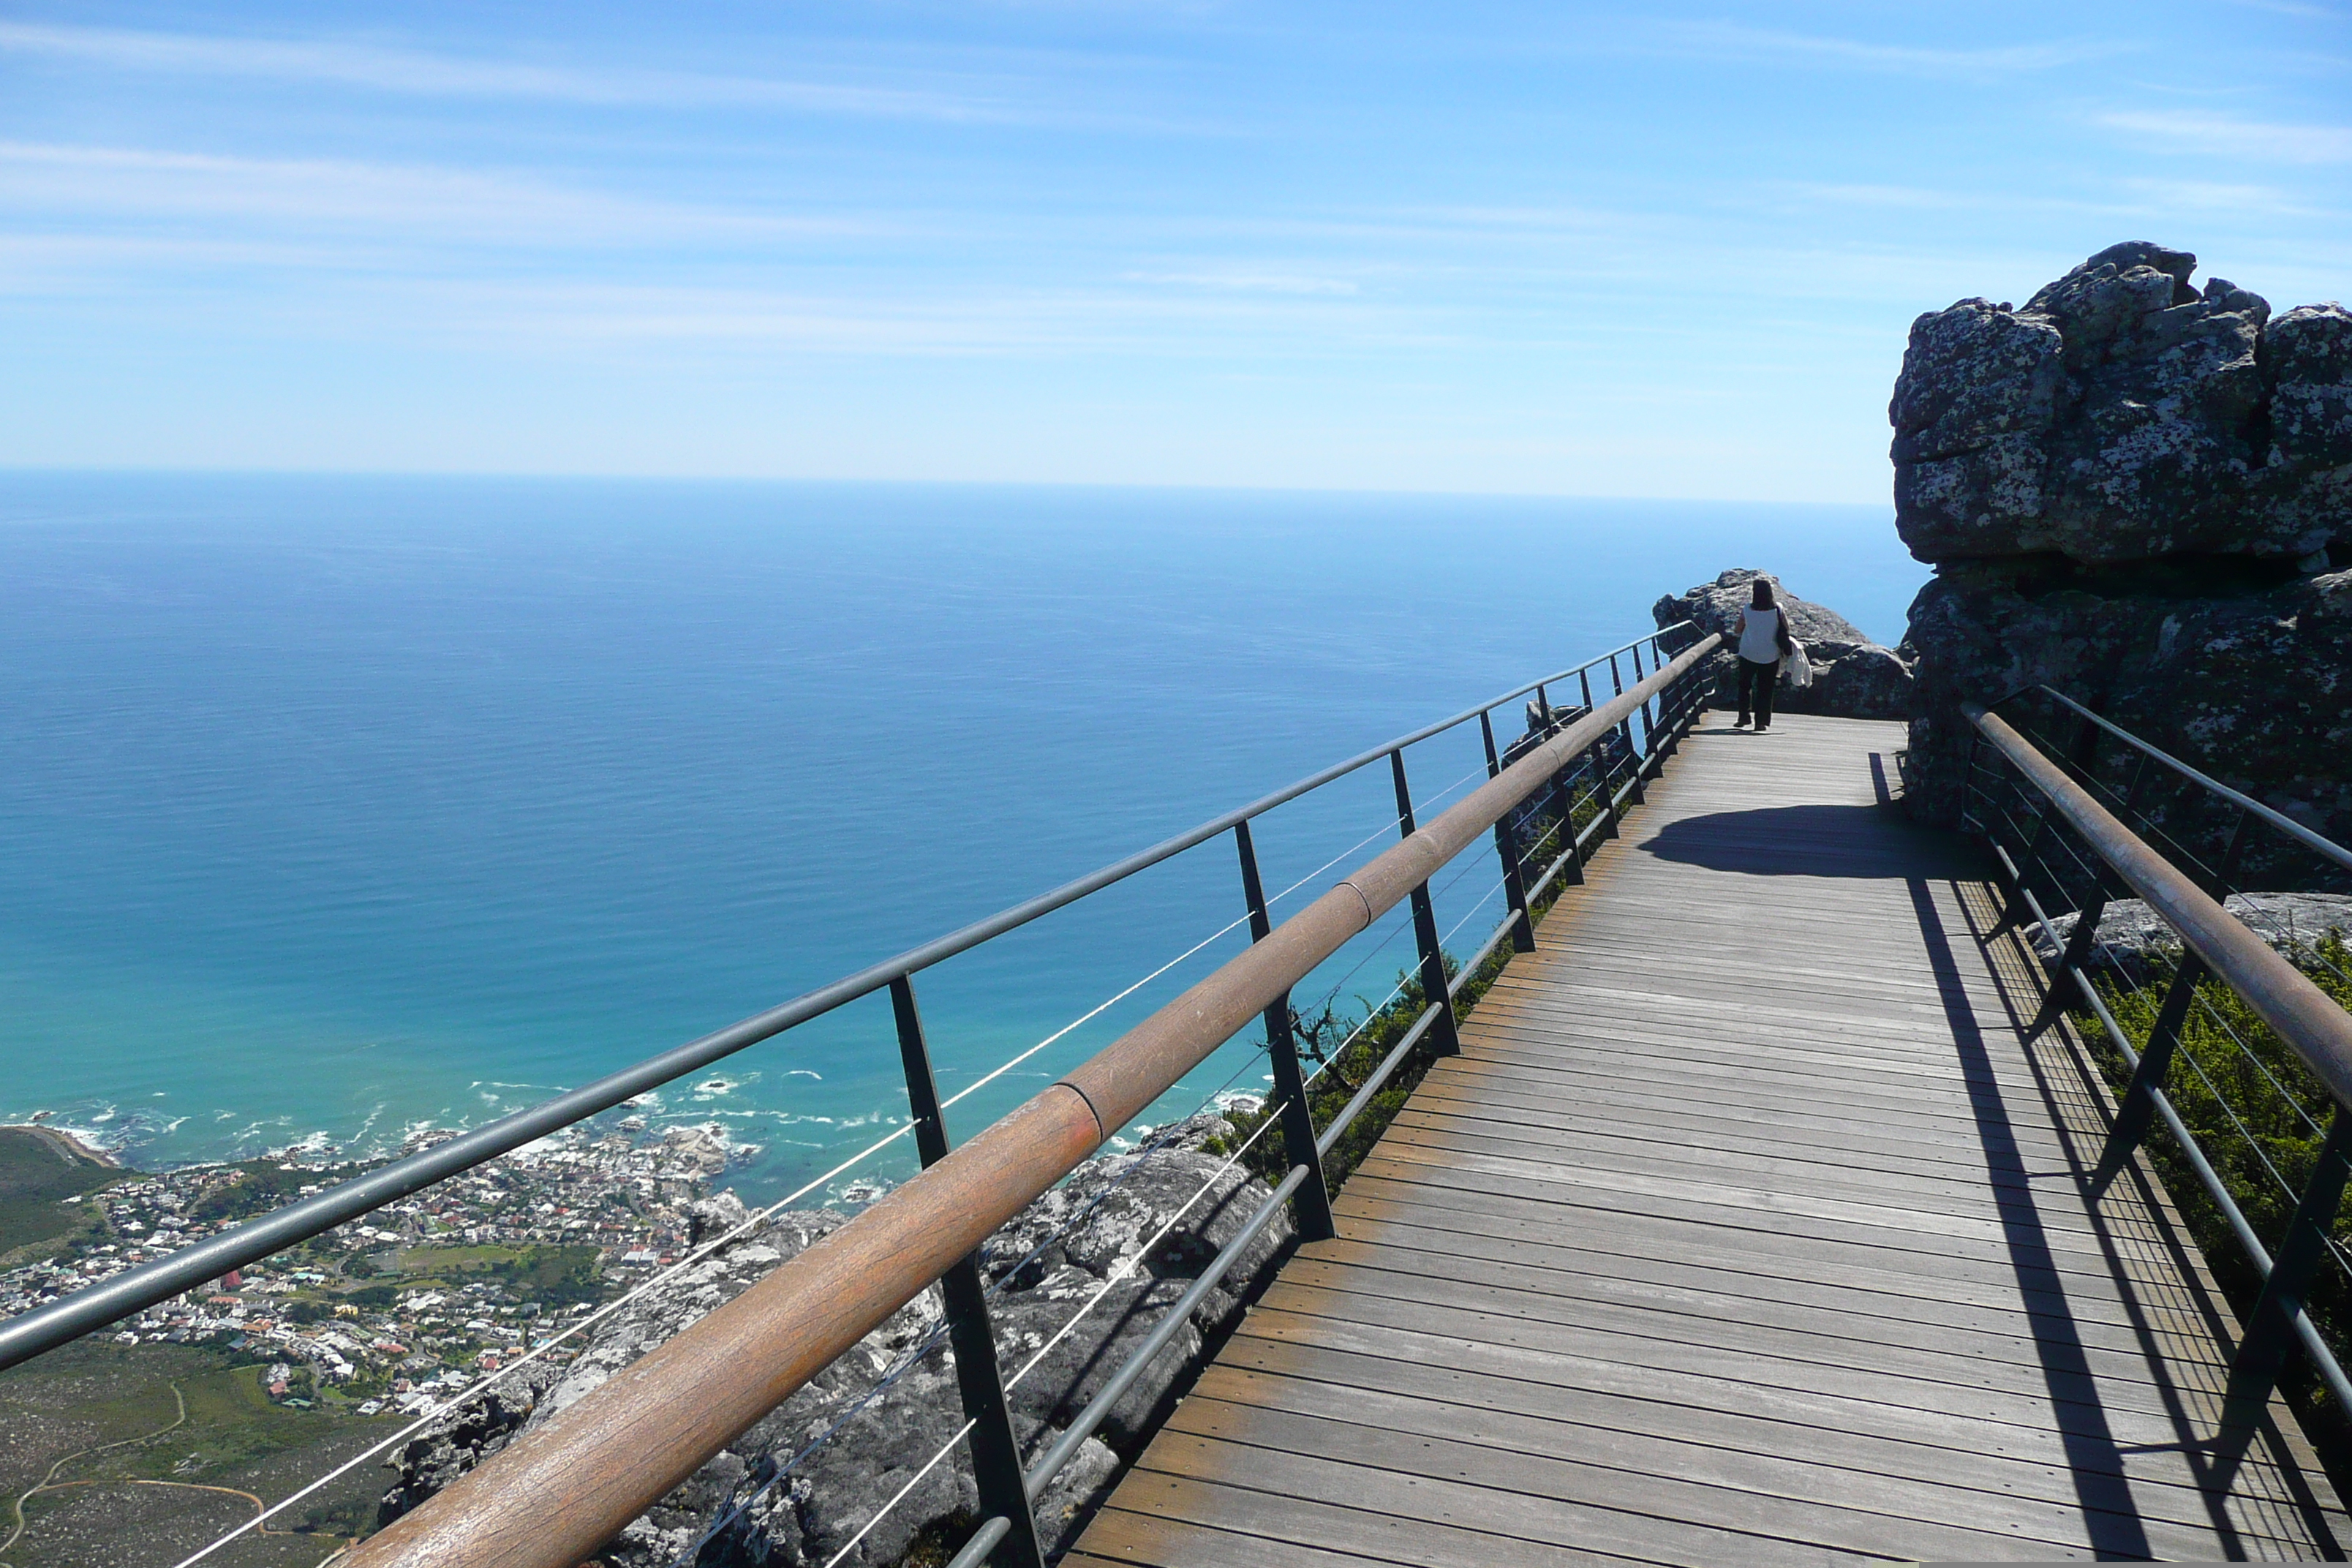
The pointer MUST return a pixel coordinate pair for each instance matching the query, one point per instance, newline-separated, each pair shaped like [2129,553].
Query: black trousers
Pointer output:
[1757,680]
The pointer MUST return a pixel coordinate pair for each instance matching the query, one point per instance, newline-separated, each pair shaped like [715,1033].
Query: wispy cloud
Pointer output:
[387,68]
[2295,9]
[1248,281]
[1731,39]
[2227,136]
[413,203]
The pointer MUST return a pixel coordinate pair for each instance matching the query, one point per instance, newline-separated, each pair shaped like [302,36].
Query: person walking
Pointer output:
[1763,638]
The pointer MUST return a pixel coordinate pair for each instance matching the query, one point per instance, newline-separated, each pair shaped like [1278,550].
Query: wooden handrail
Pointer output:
[2306,1017]
[554,1495]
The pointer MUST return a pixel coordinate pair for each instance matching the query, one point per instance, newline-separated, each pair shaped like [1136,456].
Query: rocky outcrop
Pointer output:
[2133,943]
[1853,678]
[1053,1259]
[2138,493]
[2124,415]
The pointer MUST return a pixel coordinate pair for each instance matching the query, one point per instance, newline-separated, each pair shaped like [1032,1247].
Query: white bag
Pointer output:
[1795,668]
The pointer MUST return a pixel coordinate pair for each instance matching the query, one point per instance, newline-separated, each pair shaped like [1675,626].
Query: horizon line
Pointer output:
[163,470]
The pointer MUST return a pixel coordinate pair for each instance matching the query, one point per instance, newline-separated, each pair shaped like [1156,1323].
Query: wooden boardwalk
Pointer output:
[1747,1229]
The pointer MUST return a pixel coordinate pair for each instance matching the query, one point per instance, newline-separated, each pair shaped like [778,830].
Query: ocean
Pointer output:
[335,807]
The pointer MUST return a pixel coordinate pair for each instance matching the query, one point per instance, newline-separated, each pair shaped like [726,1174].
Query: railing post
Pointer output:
[2269,1327]
[1602,765]
[1507,846]
[1649,728]
[1625,734]
[1441,1037]
[2063,988]
[1559,800]
[2138,1107]
[1310,1205]
[995,1449]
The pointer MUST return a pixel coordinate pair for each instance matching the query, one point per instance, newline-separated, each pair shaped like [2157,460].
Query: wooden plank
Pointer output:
[1928,1294]
[1680,1285]
[1695,1484]
[1815,1432]
[1494,1508]
[1156,1503]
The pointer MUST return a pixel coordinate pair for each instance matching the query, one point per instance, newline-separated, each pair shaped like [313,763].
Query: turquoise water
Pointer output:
[337,806]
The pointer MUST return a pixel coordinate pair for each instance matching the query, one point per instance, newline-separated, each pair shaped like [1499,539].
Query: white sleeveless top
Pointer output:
[1759,636]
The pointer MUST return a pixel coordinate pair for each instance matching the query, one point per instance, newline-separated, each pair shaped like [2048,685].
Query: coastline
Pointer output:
[65,1143]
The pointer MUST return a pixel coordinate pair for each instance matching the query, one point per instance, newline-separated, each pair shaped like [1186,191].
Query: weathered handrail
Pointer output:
[2307,1018]
[29,1334]
[556,1495]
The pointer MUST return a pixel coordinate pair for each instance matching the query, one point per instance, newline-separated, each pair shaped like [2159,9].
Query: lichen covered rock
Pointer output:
[2139,493]
[2124,415]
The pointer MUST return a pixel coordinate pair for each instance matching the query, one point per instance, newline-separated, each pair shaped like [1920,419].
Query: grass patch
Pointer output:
[40,1179]
[191,1416]
[559,1276]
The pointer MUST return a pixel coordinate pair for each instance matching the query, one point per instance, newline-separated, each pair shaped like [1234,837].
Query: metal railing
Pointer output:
[1567,784]
[557,1494]
[2061,818]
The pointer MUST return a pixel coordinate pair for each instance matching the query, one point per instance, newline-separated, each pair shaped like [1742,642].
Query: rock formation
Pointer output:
[2140,493]
[1049,1262]
[1853,678]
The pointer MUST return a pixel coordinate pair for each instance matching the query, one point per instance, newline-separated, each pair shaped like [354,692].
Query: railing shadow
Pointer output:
[1873,842]
[2213,1458]
[2094,1459]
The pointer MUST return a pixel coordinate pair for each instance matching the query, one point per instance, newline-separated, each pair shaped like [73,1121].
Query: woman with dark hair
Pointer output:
[1763,638]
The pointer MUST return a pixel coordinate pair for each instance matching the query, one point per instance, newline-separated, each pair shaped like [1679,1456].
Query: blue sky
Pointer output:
[1642,250]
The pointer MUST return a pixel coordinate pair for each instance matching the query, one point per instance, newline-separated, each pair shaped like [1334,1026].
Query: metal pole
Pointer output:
[995,1450]
[1649,726]
[1601,764]
[1310,1207]
[2255,1369]
[2138,1107]
[1507,846]
[1444,1041]
[1625,736]
[2064,991]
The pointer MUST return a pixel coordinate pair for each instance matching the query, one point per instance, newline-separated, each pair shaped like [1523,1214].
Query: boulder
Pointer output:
[2121,416]
[2137,492]
[1853,678]
[1126,1217]
[2133,943]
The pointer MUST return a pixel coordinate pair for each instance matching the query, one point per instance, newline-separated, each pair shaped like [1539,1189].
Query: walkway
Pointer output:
[1745,1229]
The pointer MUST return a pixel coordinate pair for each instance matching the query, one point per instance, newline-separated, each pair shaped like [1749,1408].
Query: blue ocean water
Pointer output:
[334,806]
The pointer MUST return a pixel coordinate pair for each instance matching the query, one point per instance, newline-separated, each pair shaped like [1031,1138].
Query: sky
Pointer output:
[1656,250]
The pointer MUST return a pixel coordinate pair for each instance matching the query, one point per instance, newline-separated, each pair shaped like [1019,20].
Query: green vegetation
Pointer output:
[40,1176]
[558,1276]
[259,1187]
[144,1451]
[2259,1115]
